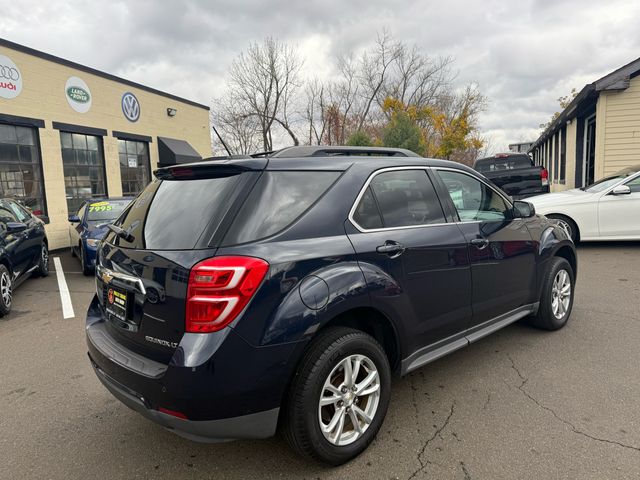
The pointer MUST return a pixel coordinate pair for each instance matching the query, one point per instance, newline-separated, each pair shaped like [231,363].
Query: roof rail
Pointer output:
[336,150]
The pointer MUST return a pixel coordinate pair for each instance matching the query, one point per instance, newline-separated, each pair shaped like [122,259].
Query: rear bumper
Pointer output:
[225,387]
[256,425]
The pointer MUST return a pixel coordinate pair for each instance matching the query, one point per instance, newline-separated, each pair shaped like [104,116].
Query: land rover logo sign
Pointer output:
[130,107]
[78,94]
[10,78]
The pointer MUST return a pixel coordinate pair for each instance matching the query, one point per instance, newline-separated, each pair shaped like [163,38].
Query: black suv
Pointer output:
[237,295]
[24,250]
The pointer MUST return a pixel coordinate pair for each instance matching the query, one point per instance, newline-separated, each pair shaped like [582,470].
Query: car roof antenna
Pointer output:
[221,140]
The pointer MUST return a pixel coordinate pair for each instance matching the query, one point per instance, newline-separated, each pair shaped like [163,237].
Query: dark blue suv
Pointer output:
[24,249]
[235,296]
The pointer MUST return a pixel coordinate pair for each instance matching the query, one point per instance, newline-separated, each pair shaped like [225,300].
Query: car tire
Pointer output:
[73,251]
[322,370]
[556,300]
[86,269]
[6,290]
[43,264]
[569,225]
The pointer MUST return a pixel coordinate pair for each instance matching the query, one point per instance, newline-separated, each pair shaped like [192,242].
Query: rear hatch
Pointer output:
[177,221]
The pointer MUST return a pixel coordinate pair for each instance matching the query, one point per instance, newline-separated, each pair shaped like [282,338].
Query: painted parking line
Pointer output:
[65,297]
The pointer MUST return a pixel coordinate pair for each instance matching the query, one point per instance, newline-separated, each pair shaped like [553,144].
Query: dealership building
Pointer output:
[597,134]
[69,132]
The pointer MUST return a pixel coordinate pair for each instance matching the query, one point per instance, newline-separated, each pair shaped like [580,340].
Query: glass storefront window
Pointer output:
[21,167]
[135,170]
[83,161]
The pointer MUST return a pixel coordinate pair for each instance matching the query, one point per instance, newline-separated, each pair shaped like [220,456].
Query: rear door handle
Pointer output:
[480,243]
[391,248]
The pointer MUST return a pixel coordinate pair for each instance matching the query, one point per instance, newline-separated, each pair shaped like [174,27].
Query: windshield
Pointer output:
[606,182]
[106,210]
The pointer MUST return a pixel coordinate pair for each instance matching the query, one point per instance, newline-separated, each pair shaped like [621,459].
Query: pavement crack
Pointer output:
[467,475]
[576,430]
[424,464]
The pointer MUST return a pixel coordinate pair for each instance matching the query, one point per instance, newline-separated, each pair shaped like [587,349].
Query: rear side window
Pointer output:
[404,198]
[277,200]
[513,162]
[173,214]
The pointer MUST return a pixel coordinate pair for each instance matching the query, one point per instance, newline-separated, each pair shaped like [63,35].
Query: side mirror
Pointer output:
[621,190]
[16,227]
[523,209]
[74,219]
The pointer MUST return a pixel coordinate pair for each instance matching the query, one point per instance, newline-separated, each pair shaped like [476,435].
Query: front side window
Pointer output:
[19,212]
[404,198]
[83,162]
[474,200]
[21,167]
[135,169]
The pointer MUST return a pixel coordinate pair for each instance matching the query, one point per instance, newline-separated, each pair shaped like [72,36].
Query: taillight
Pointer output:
[219,288]
[544,176]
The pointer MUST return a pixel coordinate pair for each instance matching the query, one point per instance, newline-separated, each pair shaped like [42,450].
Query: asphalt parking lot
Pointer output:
[518,404]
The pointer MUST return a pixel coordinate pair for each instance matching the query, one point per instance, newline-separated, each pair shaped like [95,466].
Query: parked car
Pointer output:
[515,174]
[607,210]
[296,283]
[89,225]
[24,249]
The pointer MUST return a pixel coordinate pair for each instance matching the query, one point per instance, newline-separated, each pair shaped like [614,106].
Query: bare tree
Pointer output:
[240,132]
[262,82]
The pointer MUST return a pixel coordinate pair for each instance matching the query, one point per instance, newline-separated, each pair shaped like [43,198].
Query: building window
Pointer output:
[21,167]
[135,169]
[563,155]
[83,161]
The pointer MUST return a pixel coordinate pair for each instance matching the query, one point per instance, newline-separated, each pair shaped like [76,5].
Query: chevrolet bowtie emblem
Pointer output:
[106,278]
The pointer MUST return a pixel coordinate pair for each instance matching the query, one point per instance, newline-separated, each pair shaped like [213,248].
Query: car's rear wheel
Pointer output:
[339,396]
[6,290]
[556,300]
[568,225]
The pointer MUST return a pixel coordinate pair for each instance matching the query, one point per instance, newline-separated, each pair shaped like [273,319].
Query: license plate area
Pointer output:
[117,307]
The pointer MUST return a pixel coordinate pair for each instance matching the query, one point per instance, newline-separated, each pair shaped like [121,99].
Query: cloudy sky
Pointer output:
[523,54]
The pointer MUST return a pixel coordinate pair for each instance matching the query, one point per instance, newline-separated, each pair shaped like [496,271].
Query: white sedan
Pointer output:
[607,210]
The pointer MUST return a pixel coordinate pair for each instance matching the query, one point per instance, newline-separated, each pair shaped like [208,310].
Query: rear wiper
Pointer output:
[126,236]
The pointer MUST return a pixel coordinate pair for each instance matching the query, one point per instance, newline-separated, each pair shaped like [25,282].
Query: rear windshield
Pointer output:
[106,210]
[503,163]
[173,214]
[277,200]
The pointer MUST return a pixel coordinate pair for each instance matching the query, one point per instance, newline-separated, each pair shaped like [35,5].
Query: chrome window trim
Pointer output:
[385,229]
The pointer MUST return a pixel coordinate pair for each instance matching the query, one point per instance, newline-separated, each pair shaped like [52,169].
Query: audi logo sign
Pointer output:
[10,78]
[130,107]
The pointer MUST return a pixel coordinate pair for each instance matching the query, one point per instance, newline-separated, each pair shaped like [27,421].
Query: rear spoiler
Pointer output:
[210,169]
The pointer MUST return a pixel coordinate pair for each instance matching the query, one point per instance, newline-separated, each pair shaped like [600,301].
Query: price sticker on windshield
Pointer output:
[100,207]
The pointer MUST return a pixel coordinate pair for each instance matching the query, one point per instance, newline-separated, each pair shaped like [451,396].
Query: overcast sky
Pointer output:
[523,54]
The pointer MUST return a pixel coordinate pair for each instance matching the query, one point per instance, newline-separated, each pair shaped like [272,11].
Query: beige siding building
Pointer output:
[69,132]
[597,134]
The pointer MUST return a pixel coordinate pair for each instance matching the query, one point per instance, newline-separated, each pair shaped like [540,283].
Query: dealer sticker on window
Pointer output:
[100,207]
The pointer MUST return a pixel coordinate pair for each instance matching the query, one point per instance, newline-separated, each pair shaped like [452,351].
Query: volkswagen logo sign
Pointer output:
[130,107]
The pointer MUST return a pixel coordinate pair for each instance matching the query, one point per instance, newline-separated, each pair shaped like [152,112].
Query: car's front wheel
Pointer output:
[568,226]
[339,396]
[556,301]
[6,290]
[86,269]
[43,263]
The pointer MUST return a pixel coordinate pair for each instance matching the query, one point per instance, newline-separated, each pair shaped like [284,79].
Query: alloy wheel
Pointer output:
[45,257]
[561,294]
[5,289]
[349,400]
[566,227]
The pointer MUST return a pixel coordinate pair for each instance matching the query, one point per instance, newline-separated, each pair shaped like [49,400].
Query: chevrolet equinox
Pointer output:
[239,295]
